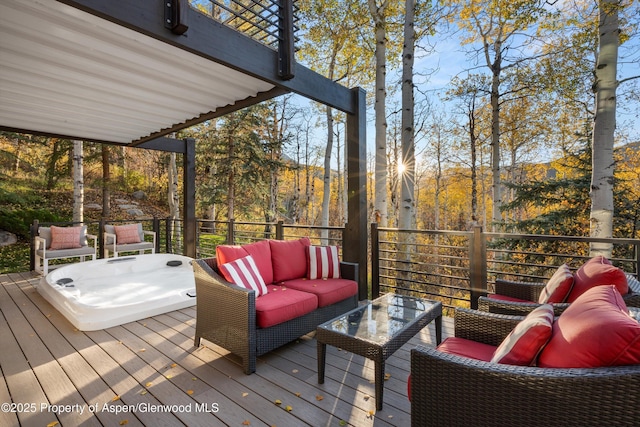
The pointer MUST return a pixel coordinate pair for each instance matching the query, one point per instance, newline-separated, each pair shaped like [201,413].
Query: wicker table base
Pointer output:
[376,330]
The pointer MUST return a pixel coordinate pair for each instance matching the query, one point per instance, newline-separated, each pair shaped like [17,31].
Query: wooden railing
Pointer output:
[455,267]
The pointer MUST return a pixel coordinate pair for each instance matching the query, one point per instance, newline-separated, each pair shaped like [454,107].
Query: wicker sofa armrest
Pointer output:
[225,313]
[349,270]
[515,308]
[457,391]
[488,328]
[529,291]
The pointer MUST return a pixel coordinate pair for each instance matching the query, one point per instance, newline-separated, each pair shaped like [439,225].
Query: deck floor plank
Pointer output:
[93,371]
[153,362]
[44,347]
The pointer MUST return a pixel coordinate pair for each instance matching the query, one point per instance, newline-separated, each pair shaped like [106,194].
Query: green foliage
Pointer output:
[14,258]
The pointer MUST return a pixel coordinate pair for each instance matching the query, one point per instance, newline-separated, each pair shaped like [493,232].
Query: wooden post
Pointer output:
[355,233]
[32,252]
[478,266]
[189,201]
[375,261]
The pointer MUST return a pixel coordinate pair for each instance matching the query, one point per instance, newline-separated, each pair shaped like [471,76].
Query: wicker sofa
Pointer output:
[226,313]
[451,390]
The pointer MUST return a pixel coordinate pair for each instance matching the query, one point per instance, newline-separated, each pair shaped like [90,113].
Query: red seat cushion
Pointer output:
[289,259]
[595,330]
[526,340]
[597,271]
[281,304]
[467,348]
[260,251]
[328,291]
[506,298]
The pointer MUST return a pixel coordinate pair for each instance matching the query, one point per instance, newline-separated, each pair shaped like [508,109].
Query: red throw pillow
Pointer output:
[289,259]
[323,262]
[65,237]
[126,234]
[595,330]
[244,272]
[558,287]
[526,340]
[597,271]
[260,251]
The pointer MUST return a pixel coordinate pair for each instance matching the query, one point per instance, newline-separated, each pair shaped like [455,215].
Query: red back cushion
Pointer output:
[323,262]
[289,258]
[526,340]
[595,330]
[65,237]
[597,271]
[260,251]
[244,272]
[558,287]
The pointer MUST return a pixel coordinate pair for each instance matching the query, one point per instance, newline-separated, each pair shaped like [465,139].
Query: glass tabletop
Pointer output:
[381,319]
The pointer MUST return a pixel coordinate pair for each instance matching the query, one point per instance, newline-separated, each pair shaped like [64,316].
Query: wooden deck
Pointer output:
[149,373]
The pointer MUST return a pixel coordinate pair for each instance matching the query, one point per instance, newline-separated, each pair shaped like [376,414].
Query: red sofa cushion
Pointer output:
[595,330]
[526,340]
[328,291]
[467,348]
[281,304]
[558,287]
[260,251]
[289,259]
[597,271]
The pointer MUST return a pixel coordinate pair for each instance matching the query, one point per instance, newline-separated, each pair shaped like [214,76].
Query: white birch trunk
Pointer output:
[173,198]
[406,215]
[326,192]
[380,194]
[604,126]
[78,182]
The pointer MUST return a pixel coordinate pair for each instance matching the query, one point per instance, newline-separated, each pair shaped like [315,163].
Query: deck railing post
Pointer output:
[375,261]
[168,233]
[101,242]
[156,229]
[477,266]
[280,230]
[231,235]
[32,252]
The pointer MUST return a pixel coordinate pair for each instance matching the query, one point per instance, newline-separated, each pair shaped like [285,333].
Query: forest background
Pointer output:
[529,65]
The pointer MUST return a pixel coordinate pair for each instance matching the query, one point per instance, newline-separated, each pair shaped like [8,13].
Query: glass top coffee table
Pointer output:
[376,330]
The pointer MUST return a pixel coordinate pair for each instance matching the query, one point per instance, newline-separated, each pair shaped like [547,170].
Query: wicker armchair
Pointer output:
[530,291]
[449,390]
[226,315]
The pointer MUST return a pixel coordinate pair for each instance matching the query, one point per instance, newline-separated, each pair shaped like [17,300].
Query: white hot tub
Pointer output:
[103,293]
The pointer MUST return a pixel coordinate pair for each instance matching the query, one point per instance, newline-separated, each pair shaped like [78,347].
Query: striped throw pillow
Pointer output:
[524,343]
[323,262]
[244,272]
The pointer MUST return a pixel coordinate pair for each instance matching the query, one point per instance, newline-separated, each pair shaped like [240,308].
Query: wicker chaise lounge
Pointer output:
[450,390]
[226,315]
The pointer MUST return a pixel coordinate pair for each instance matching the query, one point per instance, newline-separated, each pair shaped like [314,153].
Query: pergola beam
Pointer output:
[216,42]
